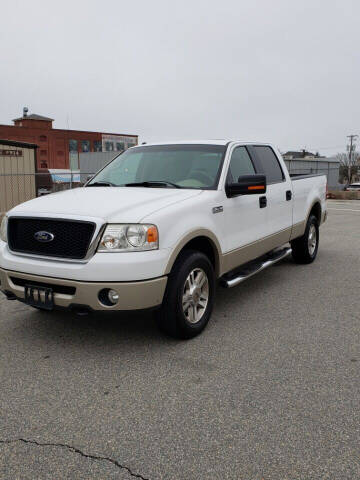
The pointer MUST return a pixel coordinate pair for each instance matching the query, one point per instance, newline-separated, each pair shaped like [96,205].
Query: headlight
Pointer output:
[3,229]
[129,238]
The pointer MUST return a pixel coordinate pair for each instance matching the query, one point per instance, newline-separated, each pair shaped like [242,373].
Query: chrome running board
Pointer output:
[252,268]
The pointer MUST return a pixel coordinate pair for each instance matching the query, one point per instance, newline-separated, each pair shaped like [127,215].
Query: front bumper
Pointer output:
[136,295]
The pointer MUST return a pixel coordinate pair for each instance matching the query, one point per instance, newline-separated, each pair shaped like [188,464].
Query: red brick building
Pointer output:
[56,146]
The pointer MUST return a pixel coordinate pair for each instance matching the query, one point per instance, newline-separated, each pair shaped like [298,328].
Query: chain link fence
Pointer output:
[16,188]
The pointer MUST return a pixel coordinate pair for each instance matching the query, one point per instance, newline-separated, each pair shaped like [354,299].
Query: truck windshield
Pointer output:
[164,166]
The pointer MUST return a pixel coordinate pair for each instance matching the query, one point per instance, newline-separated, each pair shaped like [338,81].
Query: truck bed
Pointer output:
[299,176]
[306,189]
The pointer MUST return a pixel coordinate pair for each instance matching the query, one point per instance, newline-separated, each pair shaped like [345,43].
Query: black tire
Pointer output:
[302,252]
[171,317]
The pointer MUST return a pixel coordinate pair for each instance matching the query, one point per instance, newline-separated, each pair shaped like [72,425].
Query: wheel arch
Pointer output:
[316,210]
[299,228]
[202,240]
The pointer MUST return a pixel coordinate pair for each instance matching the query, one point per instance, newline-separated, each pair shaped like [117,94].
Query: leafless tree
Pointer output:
[348,164]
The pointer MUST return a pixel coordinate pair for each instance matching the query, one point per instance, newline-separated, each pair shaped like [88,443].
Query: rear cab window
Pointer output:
[270,164]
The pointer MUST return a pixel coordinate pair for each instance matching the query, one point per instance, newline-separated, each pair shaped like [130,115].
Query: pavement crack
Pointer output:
[75,450]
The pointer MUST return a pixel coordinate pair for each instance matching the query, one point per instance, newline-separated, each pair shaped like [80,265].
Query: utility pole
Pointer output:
[351,150]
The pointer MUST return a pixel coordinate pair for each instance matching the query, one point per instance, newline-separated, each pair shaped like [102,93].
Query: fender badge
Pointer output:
[218,209]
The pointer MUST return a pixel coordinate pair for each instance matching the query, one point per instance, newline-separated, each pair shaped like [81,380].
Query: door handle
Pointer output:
[288,195]
[262,202]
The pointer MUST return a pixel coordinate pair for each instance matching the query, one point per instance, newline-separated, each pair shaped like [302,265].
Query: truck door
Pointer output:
[278,192]
[246,214]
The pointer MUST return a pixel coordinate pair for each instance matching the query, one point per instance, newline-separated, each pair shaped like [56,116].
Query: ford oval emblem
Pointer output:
[44,237]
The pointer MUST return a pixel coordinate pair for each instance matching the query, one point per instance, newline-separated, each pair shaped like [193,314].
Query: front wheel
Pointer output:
[304,249]
[189,296]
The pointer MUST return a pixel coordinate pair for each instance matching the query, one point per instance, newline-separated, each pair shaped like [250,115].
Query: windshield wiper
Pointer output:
[152,183]
[101,184]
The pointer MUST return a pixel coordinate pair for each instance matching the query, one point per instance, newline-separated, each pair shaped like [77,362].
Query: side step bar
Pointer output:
[247,271]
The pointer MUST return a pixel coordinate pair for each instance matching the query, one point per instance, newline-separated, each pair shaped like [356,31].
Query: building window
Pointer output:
[42,138]
[43,165]
[60,153]
[73,146]
[43,152]
[97,146]
[109,146]
[85,145]
[120,146]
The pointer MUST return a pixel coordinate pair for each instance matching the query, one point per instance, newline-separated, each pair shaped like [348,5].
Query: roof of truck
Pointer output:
[216,141]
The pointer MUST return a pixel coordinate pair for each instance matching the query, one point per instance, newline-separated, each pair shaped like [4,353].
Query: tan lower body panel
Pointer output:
[245,254]
[132,295]
[298,230]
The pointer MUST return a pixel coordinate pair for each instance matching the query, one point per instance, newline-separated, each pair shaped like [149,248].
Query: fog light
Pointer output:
[113,296]
[108,297]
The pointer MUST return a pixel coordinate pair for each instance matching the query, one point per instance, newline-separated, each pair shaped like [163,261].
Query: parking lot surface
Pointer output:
[270,390]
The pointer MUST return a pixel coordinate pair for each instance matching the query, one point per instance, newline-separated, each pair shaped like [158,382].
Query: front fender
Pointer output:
[196,233]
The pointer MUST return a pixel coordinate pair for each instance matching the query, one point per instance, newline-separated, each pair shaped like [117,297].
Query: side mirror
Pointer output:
[88,178]
[247,185]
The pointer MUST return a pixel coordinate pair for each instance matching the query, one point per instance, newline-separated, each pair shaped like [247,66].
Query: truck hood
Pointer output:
[112,204]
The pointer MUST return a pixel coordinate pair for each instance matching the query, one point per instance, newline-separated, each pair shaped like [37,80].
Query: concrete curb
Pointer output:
[341,195]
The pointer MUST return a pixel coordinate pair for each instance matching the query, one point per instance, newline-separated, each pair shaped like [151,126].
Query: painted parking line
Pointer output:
[345,209]
[343,203]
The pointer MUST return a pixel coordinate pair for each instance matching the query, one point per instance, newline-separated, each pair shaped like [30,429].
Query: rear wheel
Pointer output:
[304,249]
[189,296]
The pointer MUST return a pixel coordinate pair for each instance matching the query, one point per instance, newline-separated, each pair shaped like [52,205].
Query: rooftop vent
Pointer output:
[25,111]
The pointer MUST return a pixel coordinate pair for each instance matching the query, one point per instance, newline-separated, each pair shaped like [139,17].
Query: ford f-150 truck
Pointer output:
[158,227]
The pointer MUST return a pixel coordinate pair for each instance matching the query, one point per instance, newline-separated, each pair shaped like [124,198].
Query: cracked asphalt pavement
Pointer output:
[269,391]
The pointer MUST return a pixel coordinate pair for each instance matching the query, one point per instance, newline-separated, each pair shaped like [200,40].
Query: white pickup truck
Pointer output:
[156,228]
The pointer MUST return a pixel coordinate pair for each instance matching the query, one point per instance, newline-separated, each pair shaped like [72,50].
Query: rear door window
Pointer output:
[270,164]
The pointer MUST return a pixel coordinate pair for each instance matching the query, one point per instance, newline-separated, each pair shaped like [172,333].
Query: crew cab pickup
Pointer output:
[158,228]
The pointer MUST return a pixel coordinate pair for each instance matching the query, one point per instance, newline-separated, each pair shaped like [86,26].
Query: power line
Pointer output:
[327,148]
[352,139]
[321,148]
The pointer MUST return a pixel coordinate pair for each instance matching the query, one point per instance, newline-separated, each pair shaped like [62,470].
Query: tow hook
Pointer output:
[81,311]
[9,295]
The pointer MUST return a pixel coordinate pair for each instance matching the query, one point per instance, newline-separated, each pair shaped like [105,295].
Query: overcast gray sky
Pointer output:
[270,70]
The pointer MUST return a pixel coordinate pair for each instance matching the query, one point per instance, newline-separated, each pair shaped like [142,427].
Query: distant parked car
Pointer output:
[352,187]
